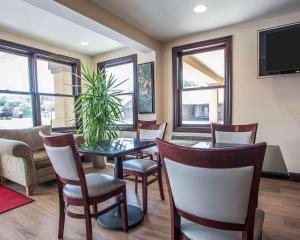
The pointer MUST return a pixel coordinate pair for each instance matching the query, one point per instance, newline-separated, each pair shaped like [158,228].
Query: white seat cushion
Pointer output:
[195,231]
[97,184]
[140,165]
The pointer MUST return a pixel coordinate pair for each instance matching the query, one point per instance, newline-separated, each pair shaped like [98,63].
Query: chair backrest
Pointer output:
[145,124]
[217,188]
[64,157]
[151,130]
[237,134]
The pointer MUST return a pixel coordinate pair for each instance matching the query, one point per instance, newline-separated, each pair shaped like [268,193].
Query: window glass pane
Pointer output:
[15,111]
[203,69]
[54,77]
[122,72]
[14,72]
[203,106]
[127,101]
[57,111]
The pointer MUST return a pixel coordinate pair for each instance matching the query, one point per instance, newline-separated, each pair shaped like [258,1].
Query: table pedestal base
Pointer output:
[112,219]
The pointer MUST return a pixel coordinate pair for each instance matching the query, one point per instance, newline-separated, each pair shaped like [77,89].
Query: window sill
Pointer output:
[128,128]
[193,129]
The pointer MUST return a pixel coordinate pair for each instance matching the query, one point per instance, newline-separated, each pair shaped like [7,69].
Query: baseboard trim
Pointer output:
[276,175]
[295,177]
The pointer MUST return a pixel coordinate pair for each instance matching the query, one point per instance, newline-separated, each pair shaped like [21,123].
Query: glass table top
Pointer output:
[116,147]
[217,145]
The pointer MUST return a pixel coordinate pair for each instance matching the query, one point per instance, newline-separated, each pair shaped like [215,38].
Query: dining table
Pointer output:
[116,149]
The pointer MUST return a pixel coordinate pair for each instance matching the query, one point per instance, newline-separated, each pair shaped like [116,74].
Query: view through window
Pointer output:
[15,99]
[203,70]
[39,96]
[56,93]
[202,78]
[124,69]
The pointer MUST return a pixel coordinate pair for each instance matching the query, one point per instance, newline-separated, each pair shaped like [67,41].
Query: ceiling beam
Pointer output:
[203,68]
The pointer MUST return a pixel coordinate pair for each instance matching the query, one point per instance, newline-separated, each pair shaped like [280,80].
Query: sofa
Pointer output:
[23,158]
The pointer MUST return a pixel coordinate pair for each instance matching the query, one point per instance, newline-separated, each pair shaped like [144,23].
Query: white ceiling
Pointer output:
[169,19]
[28,20]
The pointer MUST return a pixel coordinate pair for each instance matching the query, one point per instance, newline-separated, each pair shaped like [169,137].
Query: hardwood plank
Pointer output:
[280,199]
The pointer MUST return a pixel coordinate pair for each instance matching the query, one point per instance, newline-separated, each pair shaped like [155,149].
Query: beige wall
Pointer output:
[141,58]
[272,102]
[123,32]
[44,46]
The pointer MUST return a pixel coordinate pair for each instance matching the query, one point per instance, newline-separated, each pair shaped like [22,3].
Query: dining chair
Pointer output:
[213,192]
[236,134]
[144,168]
[77,189]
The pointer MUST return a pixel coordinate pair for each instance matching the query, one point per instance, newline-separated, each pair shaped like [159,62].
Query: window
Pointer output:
[125,68]
[55,90]
[36,87]
[202,85]
[15,95]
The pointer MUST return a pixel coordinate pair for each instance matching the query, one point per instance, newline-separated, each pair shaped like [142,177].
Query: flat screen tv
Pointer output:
[279,50]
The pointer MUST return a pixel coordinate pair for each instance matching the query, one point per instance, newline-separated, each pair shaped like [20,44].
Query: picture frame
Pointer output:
[146,101]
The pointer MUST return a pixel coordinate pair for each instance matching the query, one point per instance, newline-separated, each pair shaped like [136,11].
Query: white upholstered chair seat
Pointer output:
[195,231]
[97,184]
[140,165]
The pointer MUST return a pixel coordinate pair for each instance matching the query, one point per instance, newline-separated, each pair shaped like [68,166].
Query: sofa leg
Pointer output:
[2,180]
[30,190]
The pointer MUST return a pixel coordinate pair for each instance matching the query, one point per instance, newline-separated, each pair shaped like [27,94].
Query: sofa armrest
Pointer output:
[15,148]
[10,149]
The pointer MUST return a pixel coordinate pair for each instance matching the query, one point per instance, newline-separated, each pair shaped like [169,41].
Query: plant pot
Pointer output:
[98,161]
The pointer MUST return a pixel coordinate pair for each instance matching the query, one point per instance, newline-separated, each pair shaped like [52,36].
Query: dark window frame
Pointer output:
[33,54]
[192,48]
[119,61]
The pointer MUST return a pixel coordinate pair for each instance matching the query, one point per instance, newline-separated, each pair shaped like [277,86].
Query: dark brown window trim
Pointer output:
[33,54]
[120,61]
[177,53]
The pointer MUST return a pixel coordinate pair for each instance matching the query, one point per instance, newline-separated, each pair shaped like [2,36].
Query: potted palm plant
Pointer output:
[99,108]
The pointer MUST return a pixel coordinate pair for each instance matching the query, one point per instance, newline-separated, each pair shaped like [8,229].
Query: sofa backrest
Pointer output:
[28,135]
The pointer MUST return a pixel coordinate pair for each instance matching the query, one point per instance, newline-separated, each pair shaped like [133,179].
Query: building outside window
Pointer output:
[36,88]
[202,85]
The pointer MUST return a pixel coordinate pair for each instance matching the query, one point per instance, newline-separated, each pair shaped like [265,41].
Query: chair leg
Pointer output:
[88,223]
[145,193]
[124,213]
[136,185]
[160,184]
[95,209]
[29,190]
[62,215]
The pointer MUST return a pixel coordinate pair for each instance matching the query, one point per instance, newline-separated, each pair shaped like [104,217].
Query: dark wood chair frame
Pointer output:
[250,155]
[234,128]
[86,201]
[156,172]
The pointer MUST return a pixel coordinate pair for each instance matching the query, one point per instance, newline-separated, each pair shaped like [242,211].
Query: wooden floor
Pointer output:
[38,220]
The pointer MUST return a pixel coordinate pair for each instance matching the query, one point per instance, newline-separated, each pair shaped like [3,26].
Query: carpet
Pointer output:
[10,199]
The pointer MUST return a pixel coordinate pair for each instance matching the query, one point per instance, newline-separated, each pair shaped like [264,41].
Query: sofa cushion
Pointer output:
[41,159]
[30,136]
